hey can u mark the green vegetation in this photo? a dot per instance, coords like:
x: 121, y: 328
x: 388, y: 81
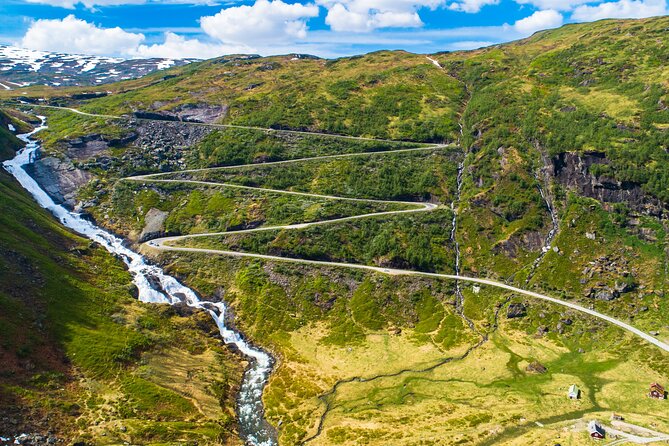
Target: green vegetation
x: 72, y: 337
x: 65, y: 125
x: 574, y: 119
x: 385, y: 94
x: 9, y: 143
x: 196, y: 209
x: 240, y: 146
x: 419, y: 241
x: 409, y: 176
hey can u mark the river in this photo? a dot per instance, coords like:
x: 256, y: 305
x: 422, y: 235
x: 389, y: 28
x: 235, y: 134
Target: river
x: 156, y: 287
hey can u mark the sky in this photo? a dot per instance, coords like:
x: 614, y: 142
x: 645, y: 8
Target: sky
x: 326, y: 28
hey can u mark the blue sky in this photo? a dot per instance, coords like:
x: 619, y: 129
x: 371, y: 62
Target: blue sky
x: 328, y: 28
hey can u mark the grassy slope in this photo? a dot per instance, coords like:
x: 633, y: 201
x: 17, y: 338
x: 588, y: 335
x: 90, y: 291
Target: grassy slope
x: 501, y: 208
x: 384, y: 94
x: 73, y: 337
x: 592, y: 87
x: 529, y: 99
x: 9, y: 143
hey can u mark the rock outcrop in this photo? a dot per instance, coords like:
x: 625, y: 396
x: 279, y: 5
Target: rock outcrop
x: 530, y: 241
x: 93, y: 145
x: 167, y: 136
x: 59, y: 178
x: 153, y: 224
x: 573, y: 171
x: 516, y: 310
x: 203, y: 113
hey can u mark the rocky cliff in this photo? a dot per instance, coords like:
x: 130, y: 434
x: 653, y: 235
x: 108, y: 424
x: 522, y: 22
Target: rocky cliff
x: 572, y: 170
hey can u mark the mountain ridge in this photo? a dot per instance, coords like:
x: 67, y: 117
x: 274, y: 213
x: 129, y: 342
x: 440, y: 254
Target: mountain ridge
x: 21, y: 67
x: 555, y: 180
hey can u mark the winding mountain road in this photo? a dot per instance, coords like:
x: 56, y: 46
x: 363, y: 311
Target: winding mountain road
x: 206, y: 124
x: 165, y: 243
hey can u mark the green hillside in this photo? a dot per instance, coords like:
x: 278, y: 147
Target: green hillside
x: 550, y: 173
x: 82, y: 360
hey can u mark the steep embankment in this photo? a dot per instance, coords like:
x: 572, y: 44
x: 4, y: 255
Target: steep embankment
x: 72, y: 338
x: 561, y: 142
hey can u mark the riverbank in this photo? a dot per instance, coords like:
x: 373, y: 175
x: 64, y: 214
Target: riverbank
x: 154, y: 286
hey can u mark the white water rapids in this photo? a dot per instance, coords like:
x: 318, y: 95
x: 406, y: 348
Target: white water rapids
x: 157, y: 287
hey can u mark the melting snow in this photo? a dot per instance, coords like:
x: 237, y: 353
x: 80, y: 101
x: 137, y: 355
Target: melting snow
x: 13, y: 58
x: 89, y: 66
x: 434, y: 61
x: 17, y: 56
x: 166, y: 63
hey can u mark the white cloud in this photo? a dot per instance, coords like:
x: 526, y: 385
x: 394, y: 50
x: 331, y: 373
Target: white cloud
x: 264, y: 21
x: 468, y: 45
x: 558, y: 5
x: 628, y: 9
x: 471, y: 6
x: 71, y: 35
x: 70, y: 4
x: 267, y: 27
x: 368, y: 15
x: 178, y: 47
x: 340, y: 18
x: 538, y: 21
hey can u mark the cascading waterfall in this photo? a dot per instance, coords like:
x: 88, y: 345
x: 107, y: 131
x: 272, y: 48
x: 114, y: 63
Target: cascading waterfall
x: 459, y: 296
x: 550, y: 236
x: 157, y: 287
x: 454, y: 239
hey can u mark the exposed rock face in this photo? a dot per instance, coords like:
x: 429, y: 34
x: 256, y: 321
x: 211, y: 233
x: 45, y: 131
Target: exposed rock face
x: 84, y: 148
x: 163, y: 116
x: 605, y: 294
x: 60, y: 179
x: 530, y: 241
x: 201, y: 112
x: 205, y: 113
x: 168, y: 136
x: 153, y: 224
x: 573, y: 171
x: 89, y: 146
x: 536, y: 367
x: 93, y: 145
x: 516, y: 310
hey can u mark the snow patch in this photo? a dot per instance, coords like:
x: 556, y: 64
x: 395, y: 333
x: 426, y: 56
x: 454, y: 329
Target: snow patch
x: 89, y: 66
x: 165, y: 63
x: 22, y: 56
x: 434, y: 61
x: 22, y: 60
